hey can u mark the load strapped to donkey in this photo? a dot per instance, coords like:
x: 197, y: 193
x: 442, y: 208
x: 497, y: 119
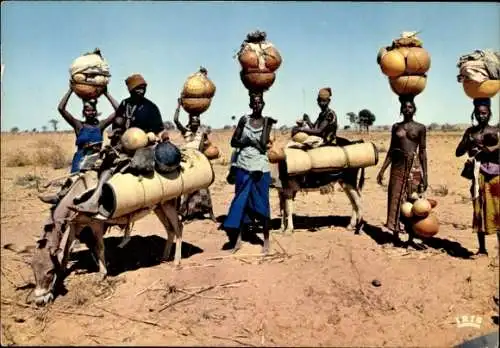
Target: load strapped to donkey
x: 146, y: 175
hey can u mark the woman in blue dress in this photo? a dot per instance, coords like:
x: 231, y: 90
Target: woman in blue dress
x: 252, y: 173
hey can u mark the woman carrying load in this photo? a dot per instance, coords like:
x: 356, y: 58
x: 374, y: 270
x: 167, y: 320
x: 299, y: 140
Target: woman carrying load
x: 251, y: 139
x: 407, y: 156
x: 198, y: 203
x: 481, y: 144
x: 89, y: 132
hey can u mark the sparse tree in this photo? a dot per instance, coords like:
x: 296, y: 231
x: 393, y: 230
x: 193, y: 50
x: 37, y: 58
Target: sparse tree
x: 366, y: 119
x: 44, y: 128
x: 14, y: 130
x: 433, y: 126
x: 347, y: 127
x: 227, y: 127
x: 54, y: 123
x: 34, y: 130
x: 352, y: 117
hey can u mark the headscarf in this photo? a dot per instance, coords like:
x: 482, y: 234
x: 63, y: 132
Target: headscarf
x: 325, y: 93
x: 135, y: 81
x: 482, y: 102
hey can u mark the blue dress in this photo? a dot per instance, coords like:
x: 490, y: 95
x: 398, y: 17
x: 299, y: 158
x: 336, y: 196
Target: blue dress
x: 88, y: 134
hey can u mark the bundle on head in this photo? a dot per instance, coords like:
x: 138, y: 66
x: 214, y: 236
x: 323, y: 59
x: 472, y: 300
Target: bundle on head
x: 259, y: 61
x: 479, y: 73
x: 89, y: 75
x: 197, y: 92
x: 405, y: 63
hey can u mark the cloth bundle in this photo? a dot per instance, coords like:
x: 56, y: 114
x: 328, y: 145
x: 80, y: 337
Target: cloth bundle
x: 479, y: 66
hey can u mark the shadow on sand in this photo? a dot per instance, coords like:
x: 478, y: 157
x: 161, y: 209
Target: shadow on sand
x: 140, y: 252
x: 452, y: 248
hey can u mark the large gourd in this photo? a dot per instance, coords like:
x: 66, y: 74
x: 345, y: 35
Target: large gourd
x: 197, y: 93
x: 408, y: 85
x: 485, y: 89
x: 89, y: 75
x: 426, y: 227
x: 259, y: 60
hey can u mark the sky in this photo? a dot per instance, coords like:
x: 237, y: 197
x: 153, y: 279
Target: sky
x: 323, y: 44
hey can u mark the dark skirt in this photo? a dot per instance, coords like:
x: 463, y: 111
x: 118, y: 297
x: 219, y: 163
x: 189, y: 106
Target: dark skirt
x: 402, y: 184
x: 251, y: 198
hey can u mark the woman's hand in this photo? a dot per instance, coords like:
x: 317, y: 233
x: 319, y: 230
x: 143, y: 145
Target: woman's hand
x: 164, y: 136
x: 380, y: 178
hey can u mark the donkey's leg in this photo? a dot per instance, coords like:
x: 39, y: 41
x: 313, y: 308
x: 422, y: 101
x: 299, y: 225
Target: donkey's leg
x: 288, y: 212
x: 355, y: 200
x: 126, y: 235
x: 282, y: 209
x: 170, y: 232
x: 98, y: 230
x: 170, y: 210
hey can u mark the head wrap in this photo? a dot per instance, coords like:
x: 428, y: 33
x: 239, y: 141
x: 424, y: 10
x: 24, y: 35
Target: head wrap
x: 325, y: 93
x: 407, y: 98
x: 482, y: 102
x: 135, y: 81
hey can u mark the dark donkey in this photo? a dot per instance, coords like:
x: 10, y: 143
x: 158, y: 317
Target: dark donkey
x: 289, y: 185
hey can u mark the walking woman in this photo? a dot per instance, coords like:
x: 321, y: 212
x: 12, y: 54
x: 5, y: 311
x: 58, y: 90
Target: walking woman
x: 407, y: 156
x: 481, y: 144
x: 198, y: 203
x: 252, y: 173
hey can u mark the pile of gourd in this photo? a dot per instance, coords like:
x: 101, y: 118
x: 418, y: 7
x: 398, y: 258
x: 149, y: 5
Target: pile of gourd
x: 421, y: 216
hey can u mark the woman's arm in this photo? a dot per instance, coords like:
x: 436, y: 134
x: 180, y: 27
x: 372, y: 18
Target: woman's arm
x: 387, y: 160
x: 422, y: 155
x: 178, y: 124
x: 73, y: 122
x: 236, y: 140
x: 464, y: 144
x: 106, y: 122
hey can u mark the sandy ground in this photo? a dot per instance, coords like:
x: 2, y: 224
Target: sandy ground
x: 316, y: 291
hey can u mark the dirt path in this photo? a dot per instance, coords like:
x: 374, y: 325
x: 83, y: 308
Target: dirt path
x: 315, y: 291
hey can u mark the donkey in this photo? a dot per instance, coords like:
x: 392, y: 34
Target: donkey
x: 288, y: 186
x: 54, y: 246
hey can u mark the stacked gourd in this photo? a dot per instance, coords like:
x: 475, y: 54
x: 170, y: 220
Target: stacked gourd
x: 197, y: 93
x: 89, y: 75
x: 422, y: 218
x: 259, y: 60
x: 406, y: 64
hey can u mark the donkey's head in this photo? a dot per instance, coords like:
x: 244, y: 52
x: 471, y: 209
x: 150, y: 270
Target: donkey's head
x: 45, y: 269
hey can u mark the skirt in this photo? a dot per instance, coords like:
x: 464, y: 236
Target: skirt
x: 486, y: 206
x: 251, y: 198
x: 404, y: 179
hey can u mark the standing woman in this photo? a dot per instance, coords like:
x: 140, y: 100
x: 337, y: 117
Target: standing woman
x: 198, y: 203
x: 88, y: 131
x: 407, y: 156
x: 251, y: 139
x: 481, y: 144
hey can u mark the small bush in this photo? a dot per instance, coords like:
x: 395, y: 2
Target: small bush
x: 48, y: 153
x: 18, y: 159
